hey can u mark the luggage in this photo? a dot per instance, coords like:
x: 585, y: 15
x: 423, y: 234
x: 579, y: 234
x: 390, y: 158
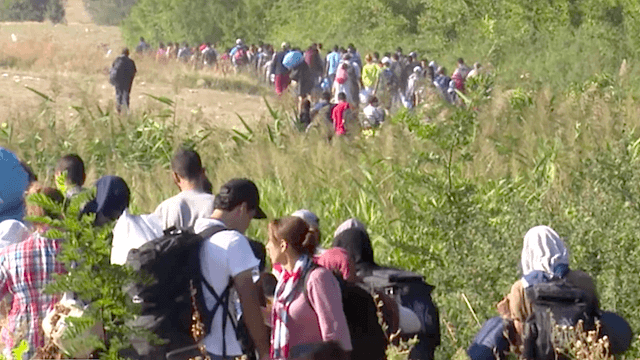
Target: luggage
x: 173, y: 263
x: 367, y: 337
x: 555, y: 302
x: 292, y: 59
x: 410, y: 291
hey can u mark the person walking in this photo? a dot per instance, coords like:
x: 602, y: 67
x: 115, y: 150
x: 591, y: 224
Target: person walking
x: 26, y: 268
x: 280, y: 72
x: 121, y: 75
x: 307, y: 306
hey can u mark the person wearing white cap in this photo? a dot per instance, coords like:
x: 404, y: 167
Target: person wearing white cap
x: 238, y: 54
x: 306, y: 215
x: 279, y: 71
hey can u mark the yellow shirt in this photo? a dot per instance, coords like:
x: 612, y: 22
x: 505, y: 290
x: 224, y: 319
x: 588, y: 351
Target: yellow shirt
x: 370, y: 74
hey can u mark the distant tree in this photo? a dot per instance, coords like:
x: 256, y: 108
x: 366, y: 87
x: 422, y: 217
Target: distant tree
x: 32, y: 10
x: 109, y: 12
x: 181, y: 20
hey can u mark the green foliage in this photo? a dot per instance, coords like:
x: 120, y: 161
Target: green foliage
x: 85, y: 253
x: 109, y: 12
x: 32, y: 10
x: 555, y: 42
x: 445, y: 191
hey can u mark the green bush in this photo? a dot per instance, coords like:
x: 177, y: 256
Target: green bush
x: 109, y: 12
x: 447, y: 192
x: 32, y: 10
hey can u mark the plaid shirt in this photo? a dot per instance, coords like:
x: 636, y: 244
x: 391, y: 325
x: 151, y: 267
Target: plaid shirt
x: 25, y: 270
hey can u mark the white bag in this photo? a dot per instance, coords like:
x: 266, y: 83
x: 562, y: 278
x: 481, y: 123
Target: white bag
x: 55, y: 324
x: 364, y: 95
x: 131, y: 232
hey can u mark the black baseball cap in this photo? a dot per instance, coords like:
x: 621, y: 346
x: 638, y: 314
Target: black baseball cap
x: 237, y: 191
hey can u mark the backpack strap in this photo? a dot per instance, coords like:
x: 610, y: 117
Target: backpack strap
x: 211, y: 230
x: 222, y: 300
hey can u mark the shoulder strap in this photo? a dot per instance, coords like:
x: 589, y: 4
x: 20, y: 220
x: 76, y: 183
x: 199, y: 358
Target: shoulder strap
x: 221, y: 300
x: 210, y: 231
x: 305, y: 278
x: 222, y: 303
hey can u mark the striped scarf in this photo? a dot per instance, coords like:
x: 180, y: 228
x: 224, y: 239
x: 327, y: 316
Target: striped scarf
x: 286, y: 291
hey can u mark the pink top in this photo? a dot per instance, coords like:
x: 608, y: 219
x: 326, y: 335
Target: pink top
x: 321, y: 317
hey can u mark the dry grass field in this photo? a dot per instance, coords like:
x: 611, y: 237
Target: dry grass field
x: 70, y: 63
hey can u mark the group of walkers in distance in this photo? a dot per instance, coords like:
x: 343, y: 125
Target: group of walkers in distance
x: 339, y: 90
x: 314, y: 302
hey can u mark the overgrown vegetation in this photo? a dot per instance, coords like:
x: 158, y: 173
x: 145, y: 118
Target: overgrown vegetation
x: 515, y: 36
x: 550, y: 137
x: 85, y: 253
x: 108, y: 12
x: 447, y: 192
x: 32, y: 10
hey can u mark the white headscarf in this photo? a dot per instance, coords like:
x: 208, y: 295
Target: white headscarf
x: 352, y: 223
x: 12, y: 232
x: 543, y: 250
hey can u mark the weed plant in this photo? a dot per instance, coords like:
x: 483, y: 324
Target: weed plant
x: 447, y: 192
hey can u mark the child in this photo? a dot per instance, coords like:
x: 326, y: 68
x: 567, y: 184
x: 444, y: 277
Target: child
x: 340, y: 113
x: 374, y: 114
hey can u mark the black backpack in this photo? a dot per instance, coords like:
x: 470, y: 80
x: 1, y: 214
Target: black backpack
x: 554, y: 303
x: 367, y: 337
x: 411, y: 291
x: 173, y: 263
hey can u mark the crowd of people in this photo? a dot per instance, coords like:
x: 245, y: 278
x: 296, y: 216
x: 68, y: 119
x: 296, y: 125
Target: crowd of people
x: 371, y: 86
x: 314, y: 303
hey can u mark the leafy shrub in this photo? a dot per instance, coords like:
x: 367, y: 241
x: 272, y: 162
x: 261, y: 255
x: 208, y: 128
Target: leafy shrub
x: 109, y: 12
x: 32, y: 10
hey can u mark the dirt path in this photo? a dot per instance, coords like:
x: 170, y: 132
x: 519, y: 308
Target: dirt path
x: 75, y: 12
x: 70, y: 63
x: 212, y: 106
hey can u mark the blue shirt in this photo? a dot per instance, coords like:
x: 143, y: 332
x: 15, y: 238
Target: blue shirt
x: 13, y: 183
x: 333, y: 59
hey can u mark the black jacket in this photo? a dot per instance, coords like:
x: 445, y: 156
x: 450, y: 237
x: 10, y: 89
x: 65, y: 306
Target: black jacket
x: 277, y: 67
x: 123, y: 70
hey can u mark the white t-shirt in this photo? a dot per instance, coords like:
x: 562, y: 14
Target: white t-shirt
x: 131, y: 232
x: 374, y: 115
x: 223, y: 256
x: 184, y: 209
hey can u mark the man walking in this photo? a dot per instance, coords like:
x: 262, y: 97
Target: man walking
x: 121, y: 75
x: 193, y: 202
x: 227, y: 261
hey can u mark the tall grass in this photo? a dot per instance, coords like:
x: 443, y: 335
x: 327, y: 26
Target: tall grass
x: 447, y: 192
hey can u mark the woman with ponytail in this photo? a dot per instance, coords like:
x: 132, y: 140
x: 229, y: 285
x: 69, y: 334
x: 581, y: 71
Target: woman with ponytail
x: 307, y: 305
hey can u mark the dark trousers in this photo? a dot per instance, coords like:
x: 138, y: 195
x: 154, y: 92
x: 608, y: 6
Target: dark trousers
x: 122, y: 97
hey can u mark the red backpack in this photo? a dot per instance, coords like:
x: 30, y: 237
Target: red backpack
x: 239, y: 56
x: 342, y: 75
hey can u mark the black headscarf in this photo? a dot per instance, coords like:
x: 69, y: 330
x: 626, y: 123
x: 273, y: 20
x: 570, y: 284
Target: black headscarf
x: 112, y: 198
x: 358, y: 245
